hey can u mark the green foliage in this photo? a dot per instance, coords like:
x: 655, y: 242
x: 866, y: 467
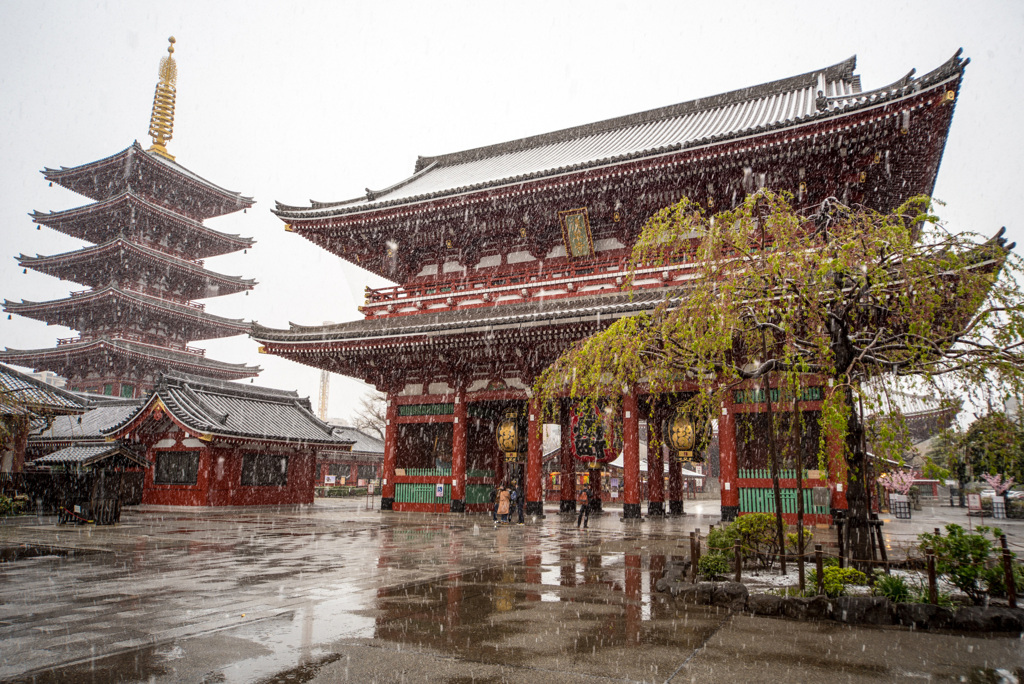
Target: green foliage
x: 714, y: 565
x: 849, y: 297
x: 965, y: 560
x: 997, y: 580
x: 892, y: 587
x: 793, y: 541
x: 836, y: 579
x: 995, y: 445
x: 757, y: 537
x: 15, y: 506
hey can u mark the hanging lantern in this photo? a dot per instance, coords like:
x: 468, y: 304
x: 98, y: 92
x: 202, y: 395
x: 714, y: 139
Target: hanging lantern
x: 595, y: 434
x: 681, y: 435
x: 511, y: 436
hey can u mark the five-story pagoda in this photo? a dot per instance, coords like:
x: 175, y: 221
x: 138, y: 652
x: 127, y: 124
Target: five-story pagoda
x: 143, y: 270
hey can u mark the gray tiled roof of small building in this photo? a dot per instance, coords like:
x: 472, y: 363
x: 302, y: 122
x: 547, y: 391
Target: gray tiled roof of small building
x: 756, y: 109
x: 362, y: 442
x: 89, y: 425
x: 19, y: 391
x: 233, y: 410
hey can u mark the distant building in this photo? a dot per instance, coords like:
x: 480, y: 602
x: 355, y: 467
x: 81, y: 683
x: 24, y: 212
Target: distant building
x: 356, y: 465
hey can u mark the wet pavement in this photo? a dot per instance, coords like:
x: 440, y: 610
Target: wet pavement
x: 339, y: 592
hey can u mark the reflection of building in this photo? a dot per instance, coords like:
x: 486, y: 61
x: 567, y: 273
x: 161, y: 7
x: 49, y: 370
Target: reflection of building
x: 144, y: 269
x: 215, y: 443
x: 354, y: 466
x: 508, y: 254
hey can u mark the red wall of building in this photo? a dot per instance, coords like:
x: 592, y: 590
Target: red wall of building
x: 218, y: 481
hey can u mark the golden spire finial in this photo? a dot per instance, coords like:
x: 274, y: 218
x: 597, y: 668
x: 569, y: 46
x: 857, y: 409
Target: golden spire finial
x: 161, y: 122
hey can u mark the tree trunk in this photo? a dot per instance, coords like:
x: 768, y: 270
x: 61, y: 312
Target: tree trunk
x: 798, y: 460
x: 774, y: 455
x: 857, y: 500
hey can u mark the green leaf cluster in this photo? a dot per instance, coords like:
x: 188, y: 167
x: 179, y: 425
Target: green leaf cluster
x: 965, y: 559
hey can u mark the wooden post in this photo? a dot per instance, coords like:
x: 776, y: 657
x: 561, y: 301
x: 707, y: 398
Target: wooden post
x: 693, y: 558
x: 933, y: 588
x: 819, y: 566
x: 877, y: 524
x: 842, y: 545
x: 697, y: 538
x: 1011, y: 581
x: 739, y: 561
x: 801, y: 580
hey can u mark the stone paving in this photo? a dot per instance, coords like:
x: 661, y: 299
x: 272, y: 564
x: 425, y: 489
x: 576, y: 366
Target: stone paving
x: 340, y: 592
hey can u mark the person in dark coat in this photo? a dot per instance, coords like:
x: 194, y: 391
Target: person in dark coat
x: 520, y: 502
x: 494, y: 503
x: 584, y: 515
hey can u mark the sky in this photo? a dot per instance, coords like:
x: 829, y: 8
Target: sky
x: 320, y: 100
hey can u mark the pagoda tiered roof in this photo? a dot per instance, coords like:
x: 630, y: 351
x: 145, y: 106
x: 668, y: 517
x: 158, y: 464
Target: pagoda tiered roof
x: 881, y: 146
x: 106, y: 355
x: 132, y: 216
x: 113, y: 307
x: 152, y: 175
x: 127, y: 263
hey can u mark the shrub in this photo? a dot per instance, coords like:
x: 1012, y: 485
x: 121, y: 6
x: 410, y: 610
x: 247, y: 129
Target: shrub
x: 15, y: 506
x: 713, y: 565
x: 793, y: 541
x: 892, y: 587
x: 836, y: 579
x: 965, y: 560
x: 996, y: 583
x: 757, y: 537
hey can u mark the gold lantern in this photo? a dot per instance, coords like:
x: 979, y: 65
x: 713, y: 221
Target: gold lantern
x: 681, y: 436
x: 511, y: 436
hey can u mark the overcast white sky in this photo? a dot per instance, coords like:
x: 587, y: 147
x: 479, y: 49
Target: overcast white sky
x: 298, y: 101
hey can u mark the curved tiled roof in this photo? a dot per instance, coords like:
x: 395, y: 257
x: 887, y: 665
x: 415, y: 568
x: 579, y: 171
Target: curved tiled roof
x: 21, y: 394
x: 89, y: 425
x: 218, y: 325
x: 64, y: 221
x: 72, y: 177
x: 198, y: 276
x: 133, y: 350
x: 755, y: 110
x: 87, y: 454
x: 240, y: 411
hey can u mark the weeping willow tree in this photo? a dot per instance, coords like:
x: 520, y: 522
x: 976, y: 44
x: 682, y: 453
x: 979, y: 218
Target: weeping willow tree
x: 857, y: 302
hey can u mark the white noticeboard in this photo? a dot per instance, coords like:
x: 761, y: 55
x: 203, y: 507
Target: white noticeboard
x: 369, y: 488
x: 974, y: 502
x: 440, y: 491
x: 329, y: 479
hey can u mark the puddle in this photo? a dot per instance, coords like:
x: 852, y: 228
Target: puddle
x: 9, y: 554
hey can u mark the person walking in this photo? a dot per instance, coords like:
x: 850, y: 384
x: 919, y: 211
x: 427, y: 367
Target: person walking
x: 504, y: 500
x: 494, y: 503
x: 520, y: 502
x: 584, y: 515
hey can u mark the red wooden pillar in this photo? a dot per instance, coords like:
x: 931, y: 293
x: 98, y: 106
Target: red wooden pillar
x: 655, y: 468
x: 459, y: 453
x: 534, y: 448
x: 728, y: 473
x: 387, y: 491
x: 596, y: 486
x: 567, y: 503
x: 353, y: 474
x: 630, y: 457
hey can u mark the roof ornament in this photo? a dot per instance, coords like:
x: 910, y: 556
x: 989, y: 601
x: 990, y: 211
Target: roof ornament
x: 161, y: 122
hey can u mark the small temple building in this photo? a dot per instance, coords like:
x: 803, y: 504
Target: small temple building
x: 25, y: 403
x: 215, y: 443
x: 144, y: 270
x: 357, y: 465
x: 503, y: 256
